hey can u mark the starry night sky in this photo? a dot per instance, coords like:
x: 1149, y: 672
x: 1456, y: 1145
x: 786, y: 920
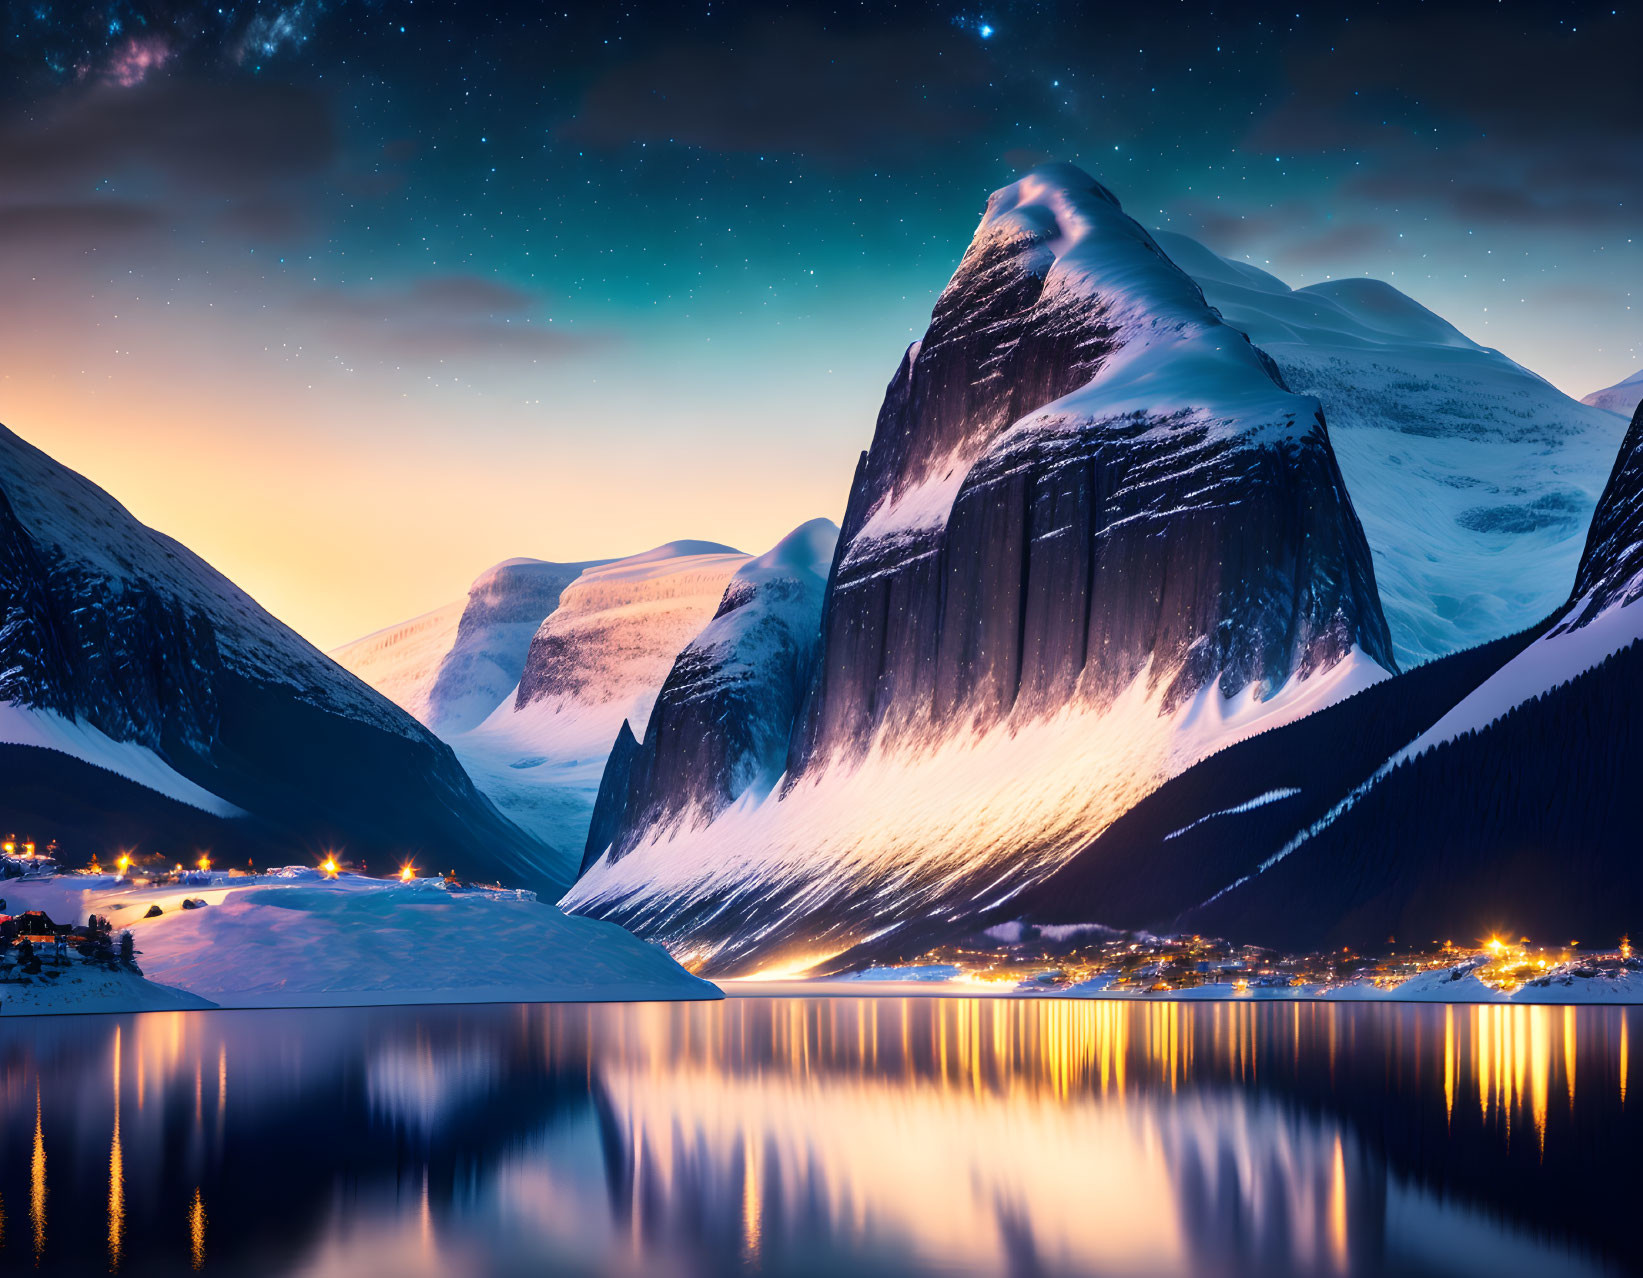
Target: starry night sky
x: 358, y: 298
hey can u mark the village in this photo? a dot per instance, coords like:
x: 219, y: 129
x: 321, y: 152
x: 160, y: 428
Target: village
x: 40, y: 951
x: 1094, y: 961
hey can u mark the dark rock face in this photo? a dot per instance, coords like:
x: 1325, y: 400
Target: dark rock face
x: 610, y: 808
x: 107, y: 623
x: 720, y: 725
x: 137, y: 665
x: 1611, y: 570
x: 1083, y: 544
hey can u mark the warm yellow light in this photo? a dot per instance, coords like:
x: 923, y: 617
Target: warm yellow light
x: 1496, y: 944
x: 407, y: 873
x: 330, y: 865
x: 124, y: 863
x: 8, y: 847
x: 204, y: 862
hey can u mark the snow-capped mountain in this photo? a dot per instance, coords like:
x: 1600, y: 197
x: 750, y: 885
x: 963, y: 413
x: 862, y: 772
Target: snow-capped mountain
x: 1485, y: 792
x: 1622, y: 397
x: 144, y: 697
x: 1094, y: 539
x: 452, y: 667
x: 720, y: 725
x: 1474, y: 478
x: 597, y: 659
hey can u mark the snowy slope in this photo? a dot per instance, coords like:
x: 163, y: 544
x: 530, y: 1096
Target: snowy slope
x: 1622, y: 397
x: 48, y: 730
x: 1094, y: 539
x: 1474, y: 478
x: 452, y: 667
x: 77, y: 989
x: 720, y: 726
x: 293, y: 939
x: 600, y: 658
x: 403, y: 661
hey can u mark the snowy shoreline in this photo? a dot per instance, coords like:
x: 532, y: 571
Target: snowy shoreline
x: 296, y: 938
x: 1458, y: 985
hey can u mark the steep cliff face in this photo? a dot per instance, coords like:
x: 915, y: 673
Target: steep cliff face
x: 600, y: 658
x: 403, y: 661
x: 124, y: 655
x: 1094, y: 538
x: 1474, y: 478
x: 139, y: 666
x: 506, y: 607
x: 721, y: 723
x: 1611, y: 570
x: 452, y: 667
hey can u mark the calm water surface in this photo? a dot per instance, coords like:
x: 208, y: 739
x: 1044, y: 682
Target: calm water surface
x: 825, y: 1136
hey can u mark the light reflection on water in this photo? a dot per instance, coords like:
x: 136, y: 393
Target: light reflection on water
x: 814, y: 1136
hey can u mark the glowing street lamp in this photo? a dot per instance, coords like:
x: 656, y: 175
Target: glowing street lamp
x: 124, y: 863
x: 407, y: 872
x: 330, y: 867
x: 204, y: 863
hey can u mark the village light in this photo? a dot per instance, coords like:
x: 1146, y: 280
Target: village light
x: 330, y: 866
x: 407, y: 872
x: 124, y: 864
x: 204, y: 862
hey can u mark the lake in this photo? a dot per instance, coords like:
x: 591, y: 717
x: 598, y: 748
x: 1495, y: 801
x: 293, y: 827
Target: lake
x: 862, y: 1136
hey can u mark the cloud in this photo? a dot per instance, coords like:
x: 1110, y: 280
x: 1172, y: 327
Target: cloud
x: 75, y: 225
x: 166, y: 162
x: 1301, y: 231
x: 448, y: 316
x: 789, y: 85
x: 1470, y: 118
x: 197, y: 138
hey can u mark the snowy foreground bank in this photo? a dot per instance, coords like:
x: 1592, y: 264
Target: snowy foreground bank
x: 1566, y: 983
x: 294, y: 938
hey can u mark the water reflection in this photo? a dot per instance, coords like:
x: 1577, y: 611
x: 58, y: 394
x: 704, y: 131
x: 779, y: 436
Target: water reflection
x: 803, y: 1136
